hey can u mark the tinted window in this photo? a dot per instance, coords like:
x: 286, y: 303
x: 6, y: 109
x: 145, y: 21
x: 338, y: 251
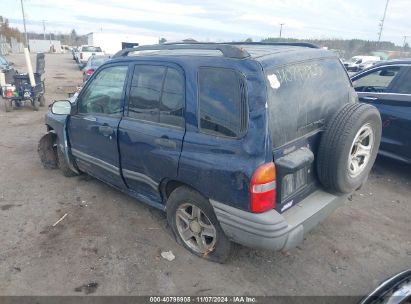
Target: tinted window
x: 103, y: 95
x: 404, y: 85
x: 172, y: 100
x: 145, y: 92
x: 222, y: 101
x: 157, y: 95
x: 377, y: 81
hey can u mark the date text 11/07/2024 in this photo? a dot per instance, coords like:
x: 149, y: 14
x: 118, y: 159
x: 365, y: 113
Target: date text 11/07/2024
x: 203, y: 299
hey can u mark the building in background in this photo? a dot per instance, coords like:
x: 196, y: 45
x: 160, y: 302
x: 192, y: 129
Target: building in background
x: 111, y: 43
x: 45, y: 46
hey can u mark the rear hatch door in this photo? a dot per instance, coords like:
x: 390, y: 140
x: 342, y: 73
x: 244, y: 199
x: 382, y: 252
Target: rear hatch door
x: 302, y: 97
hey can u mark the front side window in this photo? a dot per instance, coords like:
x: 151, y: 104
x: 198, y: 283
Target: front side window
x: 221, y: 101
x: 157, y: 95
x: 377, y: 81
x: 105, y: 91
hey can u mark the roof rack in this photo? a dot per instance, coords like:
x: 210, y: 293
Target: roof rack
x: 302, y: 44
x: 228, y: 50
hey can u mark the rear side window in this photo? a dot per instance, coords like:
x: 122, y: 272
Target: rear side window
x: 157, y: 95
x: 222, y: 102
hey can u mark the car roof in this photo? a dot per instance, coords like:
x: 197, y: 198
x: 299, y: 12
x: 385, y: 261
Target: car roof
x: 393, y: 62
x: 277, y: 52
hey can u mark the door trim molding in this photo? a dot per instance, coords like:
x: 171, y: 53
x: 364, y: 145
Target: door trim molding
x: 96, y: 161
x: 140, y: 177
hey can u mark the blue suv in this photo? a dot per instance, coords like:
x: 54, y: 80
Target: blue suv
x: 250, y: 143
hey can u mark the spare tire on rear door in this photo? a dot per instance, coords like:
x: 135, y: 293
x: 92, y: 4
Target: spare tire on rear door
x: 348, y: 147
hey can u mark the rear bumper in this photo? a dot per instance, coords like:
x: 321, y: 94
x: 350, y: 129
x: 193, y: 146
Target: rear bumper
x: 274, y: 231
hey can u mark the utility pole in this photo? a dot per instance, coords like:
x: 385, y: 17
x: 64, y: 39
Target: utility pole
x: 281, y: 29
x: 44, y: 29
x: 24, y: 23
x: 382, y: 21
x: 405, y: 41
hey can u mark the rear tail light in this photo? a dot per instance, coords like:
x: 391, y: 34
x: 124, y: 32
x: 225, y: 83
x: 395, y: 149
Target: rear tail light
x: 263, y: 188
x: 90, y: 72
x: 81, y: 55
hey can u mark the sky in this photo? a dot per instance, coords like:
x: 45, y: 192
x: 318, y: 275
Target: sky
x: 217, y: 20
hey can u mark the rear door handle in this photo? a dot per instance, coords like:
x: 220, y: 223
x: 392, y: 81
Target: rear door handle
x: 106, y: 130
x: 369, y: 98
x: 166, y: 142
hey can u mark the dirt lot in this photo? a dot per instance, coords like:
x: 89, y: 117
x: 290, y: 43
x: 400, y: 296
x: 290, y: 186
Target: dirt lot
x: 114, y: 241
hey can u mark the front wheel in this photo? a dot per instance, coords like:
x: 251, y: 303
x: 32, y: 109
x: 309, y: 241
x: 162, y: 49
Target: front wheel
x: 195, y: 225
x: 62, y: 165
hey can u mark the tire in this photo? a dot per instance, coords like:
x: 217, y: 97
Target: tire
x: 36, y: 104
x: 62, y: 165
x: 47, y: 151
x: 8, y: 104
x: 42, y: 101
x: 346, y: 154
x: 216, y: 249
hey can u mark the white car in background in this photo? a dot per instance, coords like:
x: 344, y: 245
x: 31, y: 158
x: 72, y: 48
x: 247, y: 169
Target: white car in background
x: 368, y: 64
x: 353, y: 65
x: 85, y: 52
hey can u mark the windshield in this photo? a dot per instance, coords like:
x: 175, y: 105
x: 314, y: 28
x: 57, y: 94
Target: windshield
x: 91, y: 49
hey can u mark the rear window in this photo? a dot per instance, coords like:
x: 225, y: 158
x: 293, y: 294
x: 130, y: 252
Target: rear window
x: 91, y: 49
x: 222, y: 102
x: 302, y: 96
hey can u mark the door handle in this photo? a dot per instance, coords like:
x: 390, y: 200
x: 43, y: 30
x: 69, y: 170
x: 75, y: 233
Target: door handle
x: 106, y: 130
x: 369, y: 98
x: 166, y: 142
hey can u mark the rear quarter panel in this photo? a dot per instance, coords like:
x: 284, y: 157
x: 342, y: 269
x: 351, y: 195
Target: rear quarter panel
x: 221, y: 168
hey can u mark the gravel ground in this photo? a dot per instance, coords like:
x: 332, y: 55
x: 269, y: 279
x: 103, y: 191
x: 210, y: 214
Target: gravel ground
x: 110, y: 244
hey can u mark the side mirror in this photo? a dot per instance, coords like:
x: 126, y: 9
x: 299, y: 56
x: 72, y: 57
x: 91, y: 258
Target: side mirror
x: 61, y: 107
x: 387, y: 73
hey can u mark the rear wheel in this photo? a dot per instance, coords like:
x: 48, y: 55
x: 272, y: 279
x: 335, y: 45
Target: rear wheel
x: 195, y: 225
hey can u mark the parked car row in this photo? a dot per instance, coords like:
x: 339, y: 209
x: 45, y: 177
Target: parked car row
x: 89, y: 58
x: 92, y: 64
x: 227, y: 139
x: 84, y: 52
x: 358, y: 63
